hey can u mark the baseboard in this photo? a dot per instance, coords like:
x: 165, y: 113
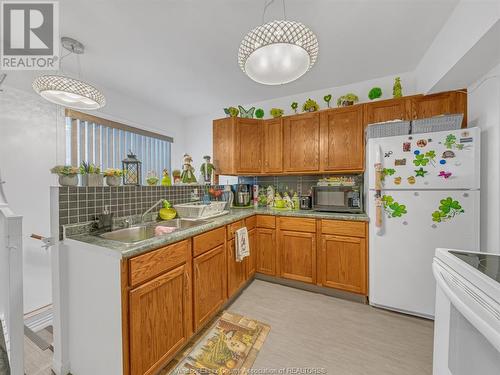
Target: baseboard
x: 39, y: 319
x: 312, y: 288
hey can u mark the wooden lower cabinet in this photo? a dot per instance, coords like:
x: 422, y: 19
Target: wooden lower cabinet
x: 297, y: 255
x: 344, y: 263
x: 209, y: 284
x: 266, y: 251
x: 252, y: 259
x: 160, y: 320
x: 236, y: 271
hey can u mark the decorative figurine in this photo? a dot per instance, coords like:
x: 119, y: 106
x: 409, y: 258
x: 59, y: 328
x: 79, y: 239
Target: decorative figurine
x: 176, y: 174
x: 397, y: 89
x: 310, y: 106
x: 207, y: 170
x: 375, y: 93
x: 244, y: 113
x: 276, y: 112
x: 187, y: 175
x: 327, y: 99
x: 259, y: 113
x: 131, y: 167
x: 152, y: 179
x: 270, y: 196
x: 294, y: 106
x: 165, y: 181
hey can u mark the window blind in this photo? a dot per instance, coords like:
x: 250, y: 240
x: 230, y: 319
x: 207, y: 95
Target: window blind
x: 106, y: 143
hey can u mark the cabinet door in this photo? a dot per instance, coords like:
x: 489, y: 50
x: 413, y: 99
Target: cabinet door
x: 343, y: 263
x: 342, y: 139
x: 236, y: 271
x: 440, y: 104
x: 248, y: 146
x: 273, y: 145
x: 209, y: 287
x: 387, y: 110
x: 223, y: 145
x: 252, y: 259
x: 301, y: 143
x: 266, y: 251
x: 298, y: 256
x: 160, y: 319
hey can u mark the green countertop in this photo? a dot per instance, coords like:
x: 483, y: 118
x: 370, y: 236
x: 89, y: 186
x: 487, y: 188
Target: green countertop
x: 131, y: 250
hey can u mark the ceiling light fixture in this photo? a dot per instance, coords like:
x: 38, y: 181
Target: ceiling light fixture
x: 278, y: 52
x: 66, y: 91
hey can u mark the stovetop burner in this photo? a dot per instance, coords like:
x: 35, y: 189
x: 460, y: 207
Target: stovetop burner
x: 489, y: 264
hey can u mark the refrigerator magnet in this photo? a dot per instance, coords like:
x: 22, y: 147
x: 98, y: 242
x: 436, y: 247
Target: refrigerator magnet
x: 448, y: 154
x: 388, y: 154
x: 399, y: 162
x: 422, y: 143
x: 445, y: 175
x: 397, y: 180
x: 406, y: 147
x: 421, y: 172
x: 411, y: 180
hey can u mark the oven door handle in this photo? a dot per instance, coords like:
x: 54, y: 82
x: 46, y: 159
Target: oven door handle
x: 451, y: 283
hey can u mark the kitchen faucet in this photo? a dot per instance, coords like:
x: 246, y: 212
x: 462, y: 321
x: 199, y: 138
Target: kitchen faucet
x: 150, y: 209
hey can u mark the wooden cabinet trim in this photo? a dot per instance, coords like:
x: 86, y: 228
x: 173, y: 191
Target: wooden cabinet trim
x: 273, y: 145
x: 208, y: 240
x: 153, y: 263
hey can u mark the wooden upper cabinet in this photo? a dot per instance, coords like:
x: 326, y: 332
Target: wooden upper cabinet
x: 273, y: 145
x: 301, y: 135
x: 443, y: 103
x: 209, y: 286
x: 248, y: 146
x: 160, y: 320
x: 344, y: 263
x: 223, y: 145
x: 342, y: 139
x: 387, y: 110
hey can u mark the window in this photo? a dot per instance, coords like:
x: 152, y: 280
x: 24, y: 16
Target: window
x: 106, y: 143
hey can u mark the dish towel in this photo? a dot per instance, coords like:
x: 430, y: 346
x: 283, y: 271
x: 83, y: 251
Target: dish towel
x: 242, y: 247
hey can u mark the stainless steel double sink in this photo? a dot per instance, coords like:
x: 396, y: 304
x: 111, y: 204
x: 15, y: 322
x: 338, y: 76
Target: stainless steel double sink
x: 146, y: 231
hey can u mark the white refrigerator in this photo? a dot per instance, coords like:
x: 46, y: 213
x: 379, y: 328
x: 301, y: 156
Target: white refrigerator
x: 429, y: 198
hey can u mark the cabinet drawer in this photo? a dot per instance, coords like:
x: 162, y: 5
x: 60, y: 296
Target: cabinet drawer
x: 344, y: 228
x: 297, y: 224
x: 149, y: 265
x: 208, y: 241
x: 231, y: 228
x: 264, y: 221
x: 251, y: 222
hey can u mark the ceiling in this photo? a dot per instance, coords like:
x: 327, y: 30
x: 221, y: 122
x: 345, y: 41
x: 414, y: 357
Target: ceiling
x: 182, y: 55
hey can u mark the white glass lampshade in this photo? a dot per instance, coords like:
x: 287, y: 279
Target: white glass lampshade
x: 69, y: 92
x: 278, y: 52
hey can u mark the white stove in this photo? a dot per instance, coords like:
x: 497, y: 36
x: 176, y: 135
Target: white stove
x: 467, y: 318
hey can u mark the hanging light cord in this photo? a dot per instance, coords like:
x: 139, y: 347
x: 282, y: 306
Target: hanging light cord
x: 267, y: 3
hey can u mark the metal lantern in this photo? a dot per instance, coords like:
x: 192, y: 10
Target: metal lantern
x: 131, y: 170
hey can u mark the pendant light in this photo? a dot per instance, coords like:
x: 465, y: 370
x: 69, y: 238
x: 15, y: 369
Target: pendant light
x: 66, y: 91
x: 278, y: 52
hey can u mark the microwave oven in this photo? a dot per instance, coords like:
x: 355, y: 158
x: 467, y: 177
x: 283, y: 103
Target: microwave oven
x: 338, y: 198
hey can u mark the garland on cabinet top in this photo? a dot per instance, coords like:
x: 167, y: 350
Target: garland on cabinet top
x: 311, y: 105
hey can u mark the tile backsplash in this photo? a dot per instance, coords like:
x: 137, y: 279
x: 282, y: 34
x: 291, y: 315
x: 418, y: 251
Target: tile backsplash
x: 82, y: 204
x: 300, y: 184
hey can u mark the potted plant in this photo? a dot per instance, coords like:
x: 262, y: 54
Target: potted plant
x: 276, y: 112
x: 397, y: 89
x: 176, y: 173
x: 152, y: 179
x: 91, y: 174
x: 233, y: 111
x: 259, y: 113
x: 310, y: 106
x: 68, y: 175
x: 113, y: 176
x: 347, y: 100
x: 375, y: 93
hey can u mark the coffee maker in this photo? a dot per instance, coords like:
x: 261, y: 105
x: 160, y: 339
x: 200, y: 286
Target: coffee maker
x: 242, y: 195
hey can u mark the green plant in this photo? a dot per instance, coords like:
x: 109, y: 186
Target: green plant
x: 276, y: 112
x: 259, y: 113
x: 447, y: 209
x: 393, y: 208
x: 233, y: 111
x: 347, y: 99
x: 375, y: 93
x: 310, y: 106
x: 397, y: 89
x: 65, y: 170
x: 113, y: 172
x: 327, y: 99
x: 89, y: 168
x: 152, y: 179
x: 294, y: 106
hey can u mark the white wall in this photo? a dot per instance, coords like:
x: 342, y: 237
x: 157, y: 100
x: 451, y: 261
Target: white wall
x: 199, y: 129
x: 29, y: 130
x: 484, y: 111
